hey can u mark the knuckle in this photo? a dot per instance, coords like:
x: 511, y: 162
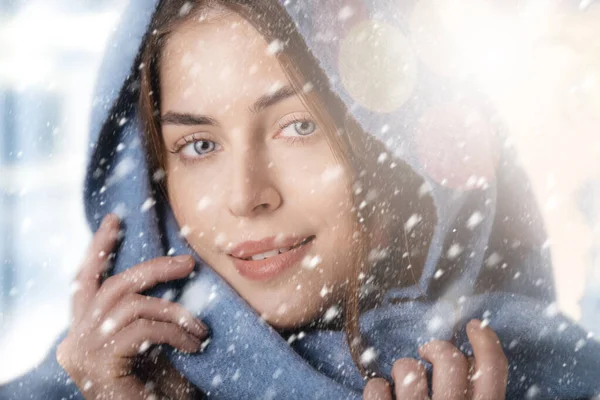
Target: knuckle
x: 109, y: 283
x: 405, y: 366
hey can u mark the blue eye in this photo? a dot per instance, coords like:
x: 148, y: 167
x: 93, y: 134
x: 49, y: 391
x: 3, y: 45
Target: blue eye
x: 199, y: 148
x: 204, y: 146
x: 302, y: 128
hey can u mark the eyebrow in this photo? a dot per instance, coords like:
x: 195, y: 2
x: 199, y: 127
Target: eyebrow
x: 264, y: 101
x: 174, y: 118
x: 270, y: 99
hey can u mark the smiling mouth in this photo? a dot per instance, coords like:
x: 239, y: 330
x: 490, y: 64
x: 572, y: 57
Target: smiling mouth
x: 275, y: 252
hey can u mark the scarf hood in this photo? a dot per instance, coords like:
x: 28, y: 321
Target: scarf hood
x: 487, y: 257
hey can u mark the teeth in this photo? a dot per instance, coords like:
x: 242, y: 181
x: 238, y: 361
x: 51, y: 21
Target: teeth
x: 267, y: 254
x: 273, y: 253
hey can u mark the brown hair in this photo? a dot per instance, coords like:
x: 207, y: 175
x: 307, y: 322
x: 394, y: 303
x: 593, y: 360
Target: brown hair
x: 351, y: 146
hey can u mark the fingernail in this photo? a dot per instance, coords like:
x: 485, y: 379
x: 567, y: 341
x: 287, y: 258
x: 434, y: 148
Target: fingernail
x: 473, y: 324
x: 183, y: 259
x: 203, y: 345
x: 199, y: 329
x: 108, y: 220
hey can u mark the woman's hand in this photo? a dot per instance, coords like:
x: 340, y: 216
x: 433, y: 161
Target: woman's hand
x: 113, y: 326
x: 454, y: 376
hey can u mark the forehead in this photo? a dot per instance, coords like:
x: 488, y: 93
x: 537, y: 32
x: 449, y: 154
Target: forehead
x: 211, y: 57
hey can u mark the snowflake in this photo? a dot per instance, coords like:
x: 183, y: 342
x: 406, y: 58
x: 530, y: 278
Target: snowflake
x: 368, y: 356
x: 275, y: 47
x: 185, y: 231
x: 382, y: 158
x: 185, y: 9
x: 474, y: 220
x: 331, y: 313
x: 409, y: 378
x: 552, y: 310
x: 332, y: 173
x: 345, y: 13
x: 412, y: 221
x: 108, y: 326
x: 310, y: 262
x: 454, y: 251
x: 203, y: 203
x: 123, y: 168
x: 493, y: 259
x: 148, y: 204
x: 533, y: 392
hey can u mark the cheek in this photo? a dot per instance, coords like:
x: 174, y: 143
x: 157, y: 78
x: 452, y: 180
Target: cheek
x: 326, y: 194
x: 194, y: 202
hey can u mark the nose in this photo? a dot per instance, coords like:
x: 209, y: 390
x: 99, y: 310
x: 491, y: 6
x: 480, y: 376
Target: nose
x: 253, y: 190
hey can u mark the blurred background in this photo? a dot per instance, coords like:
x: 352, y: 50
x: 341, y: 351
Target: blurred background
x: 539, y: 60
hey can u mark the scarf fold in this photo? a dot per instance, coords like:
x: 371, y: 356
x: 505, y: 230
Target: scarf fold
x: 471, y: 249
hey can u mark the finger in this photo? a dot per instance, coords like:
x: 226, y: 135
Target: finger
x: 471, y: 362
x: 137, y: 279
x: 410, y: 379
x: 377, y: 389
x: 135, y: 306
x: 87, y: 282
x: 491, y: 366
x: 138, y: 336
x: 166, y: 379
x: 450, y: 370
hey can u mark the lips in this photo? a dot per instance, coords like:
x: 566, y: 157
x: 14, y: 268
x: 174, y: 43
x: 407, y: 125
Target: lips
x: 271, y: 263
x: 281, y: 250
x: 267, y: 247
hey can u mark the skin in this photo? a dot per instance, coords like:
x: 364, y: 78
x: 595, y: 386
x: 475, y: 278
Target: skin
x: 455, y: 377
x: 256, y: 179
x: 113, y: 325
x: 259, y: 184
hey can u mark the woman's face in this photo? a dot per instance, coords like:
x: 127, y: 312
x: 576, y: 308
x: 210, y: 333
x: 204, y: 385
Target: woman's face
x: 249, y: 171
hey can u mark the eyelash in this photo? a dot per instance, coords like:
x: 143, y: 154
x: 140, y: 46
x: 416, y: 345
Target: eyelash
x: 293, y: 119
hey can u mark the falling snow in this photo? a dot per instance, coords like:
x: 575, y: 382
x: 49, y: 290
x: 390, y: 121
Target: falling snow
x: 87, y: 385
x: 148, y: 204
x: 158, y: 175
x: 409, y: 378
x: 493, y: 259
x: 345, y: 13
x: 533, y: 392
x: 412, y: 221
x: 474, y: 220
x: 217, y: 380
x: 204, y: 202
x: 123, y: 168
x: 185, y: 9
x: 144, y: 346
x: 435, y: 324
x: 185, y: 231
x: 579, y: 345
x: 275, y: 47
x: 331, y: 174
x: 108, y: 326
x: 311, y: 262
x: 331, y: 313
x: 368, y: 356
x: 552, y: 310
x: 324, y: 291
x: 454, y: 251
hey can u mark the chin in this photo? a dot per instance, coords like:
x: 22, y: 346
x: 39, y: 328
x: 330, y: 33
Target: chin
x: 288, y: 319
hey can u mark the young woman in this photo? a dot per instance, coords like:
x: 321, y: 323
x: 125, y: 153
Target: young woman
x: 331, y: 257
